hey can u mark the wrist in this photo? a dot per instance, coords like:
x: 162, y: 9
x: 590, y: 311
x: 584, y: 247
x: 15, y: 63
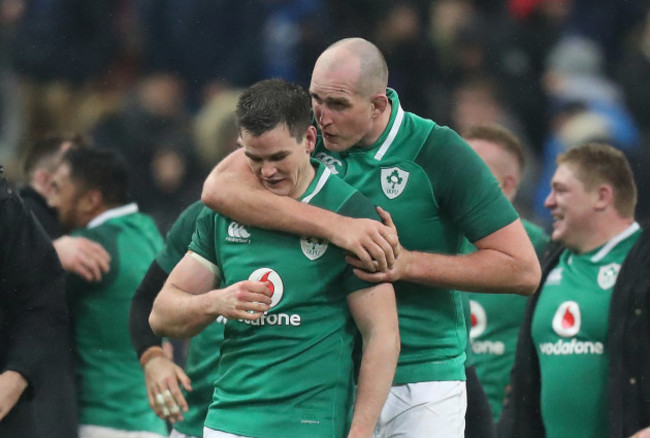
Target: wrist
x: 151, y: 353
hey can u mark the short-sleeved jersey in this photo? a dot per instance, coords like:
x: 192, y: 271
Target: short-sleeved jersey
x: 204, y: 350
x: 288, y: 373
x: 111, y: 390
x: 569, y: 329
x: 495, y: 320
x: 437, y: 189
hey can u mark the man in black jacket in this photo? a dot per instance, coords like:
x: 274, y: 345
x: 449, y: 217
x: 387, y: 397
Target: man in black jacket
x: 33, y: 320
x: 583, y: 356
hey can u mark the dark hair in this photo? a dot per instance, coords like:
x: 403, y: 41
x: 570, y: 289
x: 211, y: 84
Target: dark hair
x: 44, y: 152
x: 268, y: 103
x: 100, y: 169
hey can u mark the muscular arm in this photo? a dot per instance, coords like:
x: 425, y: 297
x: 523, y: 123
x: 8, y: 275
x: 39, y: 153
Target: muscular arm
x: 231, y: 189
x: 375, y: 313
x: 189, y: 301
x: 505, y: 262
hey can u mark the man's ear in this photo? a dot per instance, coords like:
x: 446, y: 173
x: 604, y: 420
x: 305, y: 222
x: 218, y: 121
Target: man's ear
x: 604, y: 197
x: 92, y: 201
x: 509, y: 186
x: 42, y: 181
x: 379, y: 103
x: 310, y: 139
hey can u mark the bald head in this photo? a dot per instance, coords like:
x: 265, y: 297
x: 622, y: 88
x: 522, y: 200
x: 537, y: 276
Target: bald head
x: 359, y: 59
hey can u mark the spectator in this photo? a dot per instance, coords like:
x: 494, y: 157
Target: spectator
x: 34, y: 342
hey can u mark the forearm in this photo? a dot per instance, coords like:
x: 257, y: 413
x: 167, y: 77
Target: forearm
x: 180, y: 314
x: 142, y: 337
x: 375, y: 379
x: 232, y: 190
x: 486, y: 271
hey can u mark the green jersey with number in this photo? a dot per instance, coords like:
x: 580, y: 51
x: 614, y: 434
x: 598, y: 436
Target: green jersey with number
x: 204, y: 350
x: 569, y: 329
x: 495, y: 321
x: 288, y: 373
x: 111, y: 389
x: 437, y: 190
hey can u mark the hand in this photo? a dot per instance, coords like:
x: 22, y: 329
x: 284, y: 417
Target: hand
x: 12, y: 385
x: 645, y: 433
x: 82, y: 256
x: 395, y: 271
x: 243, y: 300
x: 375, y: 245
x: 162, y: 377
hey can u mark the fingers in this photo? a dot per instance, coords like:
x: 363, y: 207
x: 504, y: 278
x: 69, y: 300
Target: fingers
x: 373, y: 277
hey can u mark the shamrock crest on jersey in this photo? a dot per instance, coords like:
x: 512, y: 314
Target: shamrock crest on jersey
x: 393, y: 181
x: 313, y: 247
x: 607, y: 275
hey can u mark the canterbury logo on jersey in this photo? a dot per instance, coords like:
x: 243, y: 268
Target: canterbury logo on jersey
x: 329, y: 161
x: 479, y: 322
x: 237, y: 233
x: 566, y: 323
x: 276, y: 286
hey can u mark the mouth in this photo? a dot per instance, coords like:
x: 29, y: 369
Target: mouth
x: 272, y: 182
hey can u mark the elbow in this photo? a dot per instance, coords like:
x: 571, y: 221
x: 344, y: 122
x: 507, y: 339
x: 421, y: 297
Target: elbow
x: 155, y: 324
x: 210, y: 196
x: 530, y: 278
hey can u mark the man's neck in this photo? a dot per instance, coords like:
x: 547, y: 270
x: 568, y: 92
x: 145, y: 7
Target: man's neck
x: 604, y: 233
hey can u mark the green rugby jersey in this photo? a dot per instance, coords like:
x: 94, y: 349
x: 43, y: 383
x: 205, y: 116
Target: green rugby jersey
x: 204, y: 350
x: 569, y: 329
x: 437, y: 189
x: 495, y: 321
x: 111, y: 388
x: 290, y: 372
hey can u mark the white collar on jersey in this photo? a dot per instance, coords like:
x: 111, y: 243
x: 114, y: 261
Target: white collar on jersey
x: 113, y: 213
x: 392, y: 134
x: 319, y: 186
x: 615, y: 241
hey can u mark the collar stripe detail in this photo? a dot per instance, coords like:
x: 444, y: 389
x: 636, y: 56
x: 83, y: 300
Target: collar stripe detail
x: 319, y: 186
x: 391, y: 135
x: 615, y: 241
x: 113, y: 213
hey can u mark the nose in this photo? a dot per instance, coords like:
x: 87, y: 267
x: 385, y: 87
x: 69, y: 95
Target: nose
x: 322, y: 115
x: 268, y: 170
x: 549, y: 202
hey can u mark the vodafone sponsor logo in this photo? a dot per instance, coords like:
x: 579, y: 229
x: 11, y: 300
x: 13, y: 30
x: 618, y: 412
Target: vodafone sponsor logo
x: 567, y: 319
x: 479, y: 322
x: 276, y: 286
x: 562, y: 348
x: 478, y: 318
x: 566, y: 323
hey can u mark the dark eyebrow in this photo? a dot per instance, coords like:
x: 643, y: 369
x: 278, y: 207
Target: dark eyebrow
x: 275, y: 157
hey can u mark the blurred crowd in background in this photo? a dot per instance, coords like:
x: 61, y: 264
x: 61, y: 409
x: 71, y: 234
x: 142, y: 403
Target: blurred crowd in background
x: 158, y: 79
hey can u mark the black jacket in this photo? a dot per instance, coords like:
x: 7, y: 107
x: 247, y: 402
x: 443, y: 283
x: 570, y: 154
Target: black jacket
x: 34, y: 326
x: 628, y: 344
